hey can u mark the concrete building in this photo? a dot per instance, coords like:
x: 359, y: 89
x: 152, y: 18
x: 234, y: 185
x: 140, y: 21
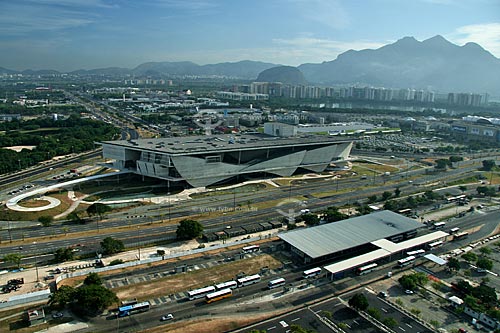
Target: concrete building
x: 347, y: 238
x: 202, y: 161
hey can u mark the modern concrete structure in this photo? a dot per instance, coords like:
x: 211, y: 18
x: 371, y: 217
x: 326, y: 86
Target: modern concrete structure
x: 203, y: 161
x: 348, y: 238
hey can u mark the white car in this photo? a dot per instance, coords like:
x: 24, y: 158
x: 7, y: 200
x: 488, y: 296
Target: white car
x: 167, y: 317
x: 408, y: 291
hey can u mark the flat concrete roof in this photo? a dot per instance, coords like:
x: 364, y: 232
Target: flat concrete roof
x: 357, y: 261
x: 386, y: 248
x: 221, y: 143
x: 337, y: 236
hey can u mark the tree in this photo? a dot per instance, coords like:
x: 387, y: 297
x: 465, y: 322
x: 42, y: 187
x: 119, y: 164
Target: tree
x: 75, y: 218
x: 469, y: 257
x: 454, y: 264
x: 358, y: 302
x: 161, y: 253
x: 484, y: 263
x: 98, y: 209
x: 407, y: 282
x: 92, y: 278
x: 93, y: 299
x: 486, y: 190
x: 455, y: 158
x: 46, y: 220
x: 310, y: 219
x: 411, y: 281
x: 110, y: 245
x: 62, y: 296
x: 13, y: 258
x: 397, y: 192
x: 332, y: 214
x: 299, y: 329
x: 488, y: 165
x: 189, y: 229
x: 389, y: 322
x: 485, y: 250
x: 485, y: 294
x: 442, y: 164
x: 462, y: 188
x: 372, y: 198
x: 63, y: 254
x: 386, y: 195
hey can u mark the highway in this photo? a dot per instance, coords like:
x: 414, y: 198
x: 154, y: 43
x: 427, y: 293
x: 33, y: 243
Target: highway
x: 142, y: 224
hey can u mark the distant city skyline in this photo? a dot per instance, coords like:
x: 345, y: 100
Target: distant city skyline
x: 68, y: 35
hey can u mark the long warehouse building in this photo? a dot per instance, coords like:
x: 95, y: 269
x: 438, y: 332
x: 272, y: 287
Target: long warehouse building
x: 348, y: 238
x: 206, y: 160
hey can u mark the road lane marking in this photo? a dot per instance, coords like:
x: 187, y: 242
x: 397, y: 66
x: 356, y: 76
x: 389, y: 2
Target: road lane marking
x: 383, y: 310
x: 409, y: 325
x: 271, y: 328
x: 295, y: 319
x: 402, y: 329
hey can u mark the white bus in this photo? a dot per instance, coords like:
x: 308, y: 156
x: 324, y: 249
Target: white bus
x: 435, y: 245
x: 225, y: 285
x: 460, y: 235
x: 454, y: 230
x: 406, y: 261
x: 416, y: 253
x: 276, y: 283
x: 439, y: 225
x: 366, y: 269
x: 311, y: 272
x: 200, y: 293
x: 247, y: 280
x: 251, y: 248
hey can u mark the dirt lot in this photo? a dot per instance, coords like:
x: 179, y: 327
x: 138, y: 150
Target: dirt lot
x: 195, y: 279
x: 208, y: 325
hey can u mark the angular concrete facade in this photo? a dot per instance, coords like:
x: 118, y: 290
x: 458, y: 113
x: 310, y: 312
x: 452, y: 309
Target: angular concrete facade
x: 203, y: 161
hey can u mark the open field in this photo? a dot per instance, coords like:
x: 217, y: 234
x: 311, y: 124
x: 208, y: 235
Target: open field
x: 195, y: 279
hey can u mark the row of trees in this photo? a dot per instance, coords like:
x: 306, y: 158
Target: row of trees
x: 91, y: 298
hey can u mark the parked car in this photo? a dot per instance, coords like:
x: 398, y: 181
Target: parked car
x: 408, y: 291
x: 57, y: 315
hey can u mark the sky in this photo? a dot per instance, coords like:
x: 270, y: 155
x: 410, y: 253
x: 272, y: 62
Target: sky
x: 83, y: 34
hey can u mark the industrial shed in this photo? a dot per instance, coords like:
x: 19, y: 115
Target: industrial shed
x: 348, y: 238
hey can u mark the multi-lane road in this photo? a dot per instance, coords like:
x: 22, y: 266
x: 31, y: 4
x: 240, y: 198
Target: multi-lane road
x: 142, y: 224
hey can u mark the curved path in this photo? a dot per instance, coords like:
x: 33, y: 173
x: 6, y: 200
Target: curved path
x: 13, y: 202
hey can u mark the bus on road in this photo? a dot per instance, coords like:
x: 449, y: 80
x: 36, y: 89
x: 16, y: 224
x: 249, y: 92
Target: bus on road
x: 416, y: 253
x: 247, y: 280
x: 200, y: 293
x: 406, y: 261
x: 128, y: 310
x: 435, y: 245
x: 311, y: 272
x: 366, y: 269
x: 225, y: 285
x: 460, y: 235
x: 251, y: 248
x: 218, y: 295
x: 276, y: 283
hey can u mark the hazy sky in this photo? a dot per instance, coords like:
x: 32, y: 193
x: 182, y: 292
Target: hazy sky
x: 73, y: 34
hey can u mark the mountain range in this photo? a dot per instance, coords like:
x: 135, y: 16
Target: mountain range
x: 435, y: 64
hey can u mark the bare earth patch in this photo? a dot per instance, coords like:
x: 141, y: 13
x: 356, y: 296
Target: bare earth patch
x: 209, y: 325
x: 195, y: 279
